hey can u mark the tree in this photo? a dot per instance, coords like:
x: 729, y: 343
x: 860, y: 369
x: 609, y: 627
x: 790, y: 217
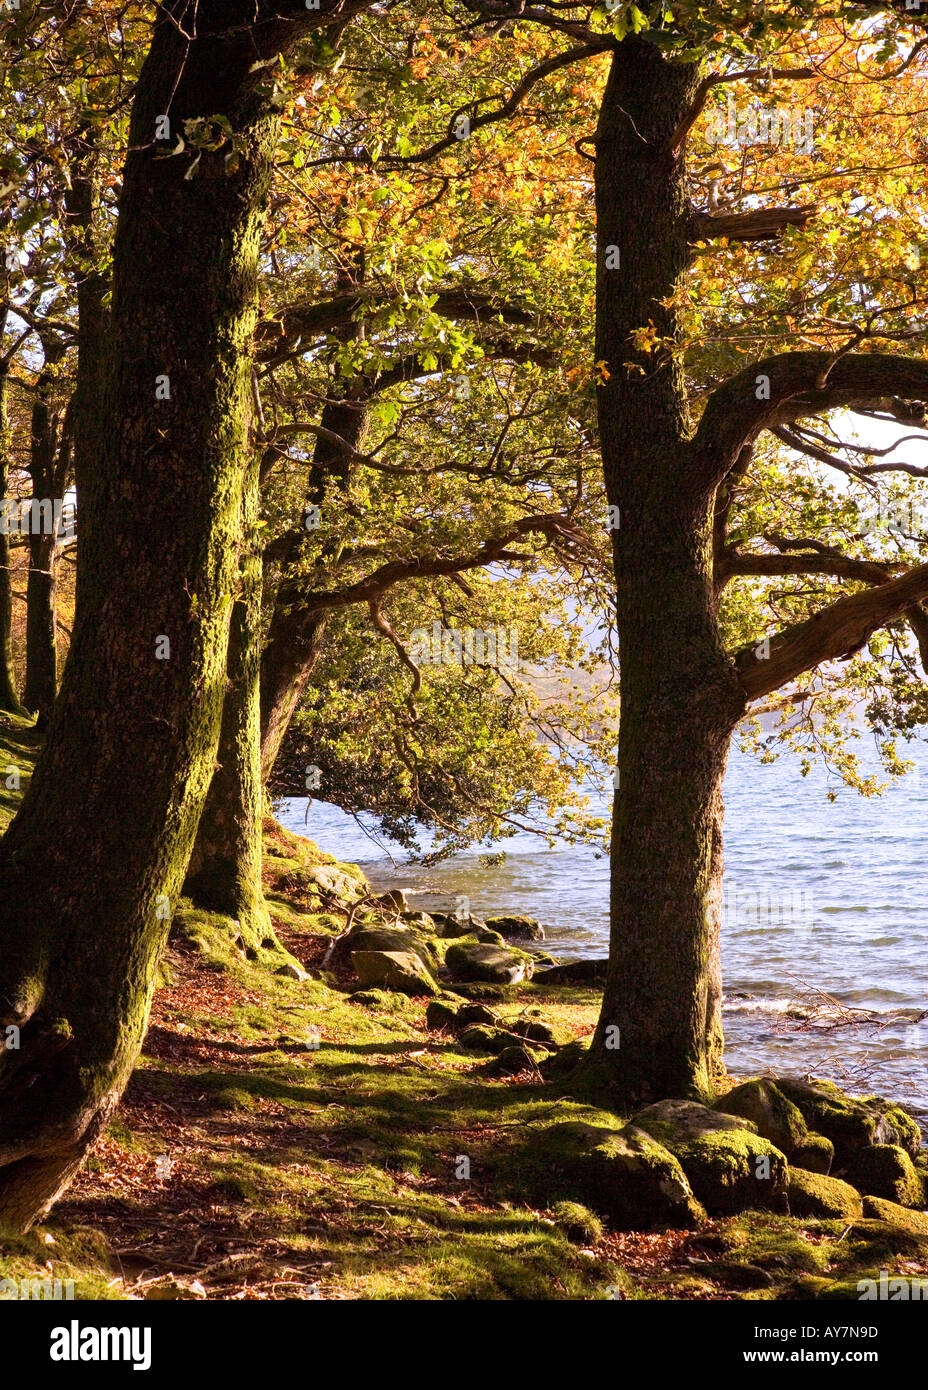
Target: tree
x: 135, y: 729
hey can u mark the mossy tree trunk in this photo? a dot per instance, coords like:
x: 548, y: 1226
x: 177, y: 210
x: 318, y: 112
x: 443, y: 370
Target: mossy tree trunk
x: 224, y: 873
x: 95, y: 859
x: 659, y: 1032
x: 9, y: 700
x: 296, y: 632
x: 47, y: 470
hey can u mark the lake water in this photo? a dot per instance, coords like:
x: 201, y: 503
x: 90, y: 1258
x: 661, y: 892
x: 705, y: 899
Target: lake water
x: 826, y: 911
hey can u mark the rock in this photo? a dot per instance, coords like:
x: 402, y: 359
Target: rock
x: 478, y: 1013
x: 623, y: 1176
x: 334, y: 881
x: 776, y: 1118
x: 396, y: 900
x: 814, y: 1194
x: 535, y: 1032
x: 391, y: 939
x: 885, y: 1170
x: 882, y: 1210
x: 419, y: 921
x: 730, y: 1167
x: 479, y: 1038
x: 449, y: 924
x: 490, y: 938
x: 517, y: 928
x: 850, y: 1122
x: 469, y: 962
x: 815, y: 1154
x: 511, y: 1061
x: 374, y: 999
x: 578, y: 1223
x: 402, y: 971
x: 574, y: 972
x: 292, y: 971
x: 440, y: 1015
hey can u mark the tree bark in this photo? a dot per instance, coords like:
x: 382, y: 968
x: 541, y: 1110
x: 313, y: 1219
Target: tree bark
x: 41, y: 685
x: 659, y: 1033
x: 296, y: 632
x: 9, y: 699
x: 93, y: 863
x: 224, y: 874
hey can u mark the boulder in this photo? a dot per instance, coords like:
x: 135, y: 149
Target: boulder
x: 491, y: 964
x: 292, y: 970
x: 490, y: 938
x: 850, y: 1122
x: 391, y: 939
x: 535, y: 1032
x: 775, y: 1117
x: 885, y: 1170
x: 730, y: 1167
x: 517, y: 928
x: 480, y: 1038
x: 440, y: 1014
x: 575, y: 972
x: 450, y: 924
x: 815, y: 1195
x: 907, y: 1220
x: 816, y: 1154
x: 402, y: 971
x: 624, y: 1176
x: 419, y: 921
x: 511, y: 1061
x: 395, y: 900
x: 477, y: 1013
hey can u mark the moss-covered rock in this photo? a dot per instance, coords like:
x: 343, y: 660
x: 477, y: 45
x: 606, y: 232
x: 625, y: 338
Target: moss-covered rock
x: 885, y: 1170
x: 578, y: 1223
x: 816, y: 1195
x: 441, y: 1015
x: 472, y: 961
x: 624, y: 1176
x: 399, y: 970
x: 534, y: 1031
x: 775, y: 1117
x: 575, y: 972
x: 515, y: 928
x: 512, y: 1060
x: 882, y: 1210
x: 366, y: 938
x: 490, y: 938
x: 816, y: 1154
x: 850, y: 1122
x: 730, y: 1167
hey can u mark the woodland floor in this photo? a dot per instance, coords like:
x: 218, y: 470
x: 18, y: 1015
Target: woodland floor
x: 242, y: 1164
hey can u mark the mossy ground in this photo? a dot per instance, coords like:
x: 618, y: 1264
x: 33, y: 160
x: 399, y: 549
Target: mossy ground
x: 244, y: 1162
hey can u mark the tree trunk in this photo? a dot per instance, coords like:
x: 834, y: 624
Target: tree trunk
x: 9, y: 700
x: 296, y: 633
x: 224, y: 874
x: 659, y: 1032
x: 41, y: 685
x: 93, y: 863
